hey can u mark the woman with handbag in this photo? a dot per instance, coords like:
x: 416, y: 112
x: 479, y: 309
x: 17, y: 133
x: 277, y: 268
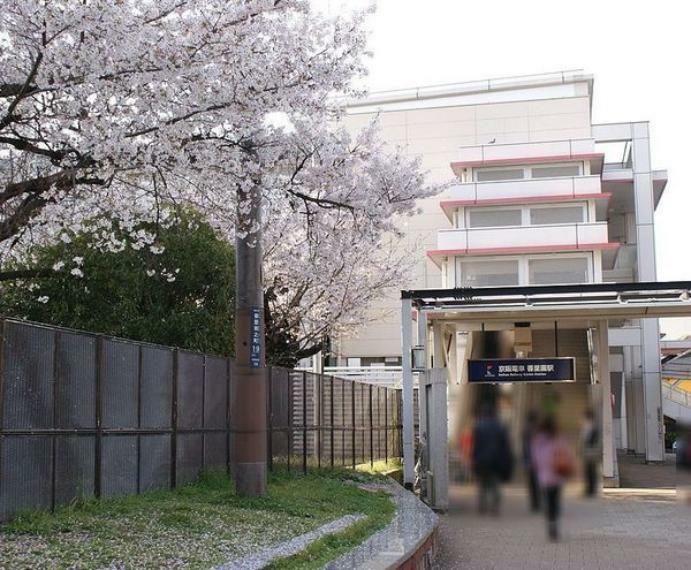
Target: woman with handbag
x: 554, y: 464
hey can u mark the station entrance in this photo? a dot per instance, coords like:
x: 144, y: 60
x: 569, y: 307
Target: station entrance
x: 517, y: 332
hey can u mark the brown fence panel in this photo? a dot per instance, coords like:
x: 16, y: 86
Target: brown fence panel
x: 85, y: 415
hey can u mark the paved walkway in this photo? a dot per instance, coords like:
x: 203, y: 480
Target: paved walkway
x: 634, y: 472
x: 631, y: 529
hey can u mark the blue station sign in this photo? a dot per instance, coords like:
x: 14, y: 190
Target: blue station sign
x: 522, y: 370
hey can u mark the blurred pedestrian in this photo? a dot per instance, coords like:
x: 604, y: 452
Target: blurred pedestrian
x: 590, y: 444
x: 492, y: 459
x: 683, y: 453
x: 554, y: 463
x: 529, y: 432
x: 466, y: 451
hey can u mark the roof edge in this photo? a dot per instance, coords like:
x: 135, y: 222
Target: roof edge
x: 471, y: 87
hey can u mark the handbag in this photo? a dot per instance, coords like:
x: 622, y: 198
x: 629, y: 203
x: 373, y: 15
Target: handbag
x: 562, y: 462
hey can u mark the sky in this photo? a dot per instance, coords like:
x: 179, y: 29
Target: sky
x: 637, y: 51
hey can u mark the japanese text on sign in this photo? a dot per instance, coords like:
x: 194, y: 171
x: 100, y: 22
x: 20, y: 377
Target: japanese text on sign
x: 256, y: 337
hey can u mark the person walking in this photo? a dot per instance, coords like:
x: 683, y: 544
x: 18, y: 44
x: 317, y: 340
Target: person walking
x: 554, y: 464
x: 466, y: 451
x: 529, y: 432
x: 590, y: 443
x: 492, y: 460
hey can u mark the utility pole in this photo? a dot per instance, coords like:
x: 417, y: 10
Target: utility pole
x: 248, y: 395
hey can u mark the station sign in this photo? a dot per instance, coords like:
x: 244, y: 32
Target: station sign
x: 256, y: 337
x: 522, y: 370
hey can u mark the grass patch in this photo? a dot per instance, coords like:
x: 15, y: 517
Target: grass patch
x: 197, y: 526
x: 380, y: 467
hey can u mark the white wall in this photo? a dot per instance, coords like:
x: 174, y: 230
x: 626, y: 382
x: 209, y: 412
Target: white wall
x: 436, y: 134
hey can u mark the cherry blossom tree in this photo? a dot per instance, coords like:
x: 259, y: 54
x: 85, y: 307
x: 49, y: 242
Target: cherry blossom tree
x: 124, y: 107
x: 128, y: 106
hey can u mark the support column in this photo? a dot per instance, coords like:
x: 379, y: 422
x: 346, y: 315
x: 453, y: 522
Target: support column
x: 438, y: 348
x: 630, y: 400
x: 422, y: 336
x: 637, y: 399
x: 623, y: 417
x: 248, y: 414
x: 435, y: 387
x: 407, y: 381
x: 422, y: 341
x: 646, y: 270
x: 608, y: 470
x: 453, y: 357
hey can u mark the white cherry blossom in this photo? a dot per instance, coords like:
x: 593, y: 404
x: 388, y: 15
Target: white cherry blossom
x: 135, y: 107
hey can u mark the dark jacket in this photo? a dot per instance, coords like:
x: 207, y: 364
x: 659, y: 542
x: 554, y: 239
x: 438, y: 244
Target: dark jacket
x: 491, y: 449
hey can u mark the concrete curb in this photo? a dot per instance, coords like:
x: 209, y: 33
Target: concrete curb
x: 408, y: 542
x: 289, y: 548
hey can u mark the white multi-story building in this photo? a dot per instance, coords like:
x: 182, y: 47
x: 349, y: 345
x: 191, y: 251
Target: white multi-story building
x: 535, y: 200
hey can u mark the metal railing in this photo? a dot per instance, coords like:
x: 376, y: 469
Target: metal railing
x: 326, y: 421
x: 677, y: 395
x: 380, y: 375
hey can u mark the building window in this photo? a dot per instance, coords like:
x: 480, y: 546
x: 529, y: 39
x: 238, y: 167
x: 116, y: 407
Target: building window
x: 573, y: 214
x: 555, y: 171
x: 494, y: 217
x: 558, y: 270
x: 497, y: 174
x: 493, y: 273
x: 542, y: 215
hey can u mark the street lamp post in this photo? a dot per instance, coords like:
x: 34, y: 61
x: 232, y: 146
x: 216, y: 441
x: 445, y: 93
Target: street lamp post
x: 248, y: 398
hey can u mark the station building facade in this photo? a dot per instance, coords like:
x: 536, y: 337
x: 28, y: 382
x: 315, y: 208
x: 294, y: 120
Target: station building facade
x: 536, y: 197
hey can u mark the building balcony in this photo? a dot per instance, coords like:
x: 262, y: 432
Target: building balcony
x: 521, y: 239
x: 617, y: 179
x: 538, y: 190
x: 529, y: 152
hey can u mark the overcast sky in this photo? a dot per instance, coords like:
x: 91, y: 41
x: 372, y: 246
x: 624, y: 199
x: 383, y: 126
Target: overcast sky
x: 637, y: 51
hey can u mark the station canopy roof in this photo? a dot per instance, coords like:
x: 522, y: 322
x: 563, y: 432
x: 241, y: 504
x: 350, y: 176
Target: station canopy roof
x: 590, y: 301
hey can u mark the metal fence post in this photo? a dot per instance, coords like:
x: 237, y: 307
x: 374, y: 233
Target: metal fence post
x: 331, y: 417
x: 229, y: 373
x: 99, y: 428
x: 289, y: 432
x: 343, y: 422
x: 363, y: 430
x: 203, y: 450
x: 378, y: 423
x: 371, y: 429
x: 304, y: 421
x: 386, y: 425
x: 54, y: 446
x: 319, y: 416
x: 270, y: 419
x: 139, y: 419
x: 174, y: 423
x: 3, y: 333
x: 352, y: 399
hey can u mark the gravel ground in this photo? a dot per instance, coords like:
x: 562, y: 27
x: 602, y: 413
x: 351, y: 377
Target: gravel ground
x: 195, y: 527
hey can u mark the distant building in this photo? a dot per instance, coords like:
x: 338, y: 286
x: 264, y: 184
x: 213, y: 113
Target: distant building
x: 537, y: 199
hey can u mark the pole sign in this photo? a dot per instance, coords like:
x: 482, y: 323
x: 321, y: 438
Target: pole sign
x: 255, y: 337
x: 522, y: 370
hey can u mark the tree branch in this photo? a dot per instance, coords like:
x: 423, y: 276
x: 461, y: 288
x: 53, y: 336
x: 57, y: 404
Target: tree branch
x: 22, y: 92
x: 26, y: 274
